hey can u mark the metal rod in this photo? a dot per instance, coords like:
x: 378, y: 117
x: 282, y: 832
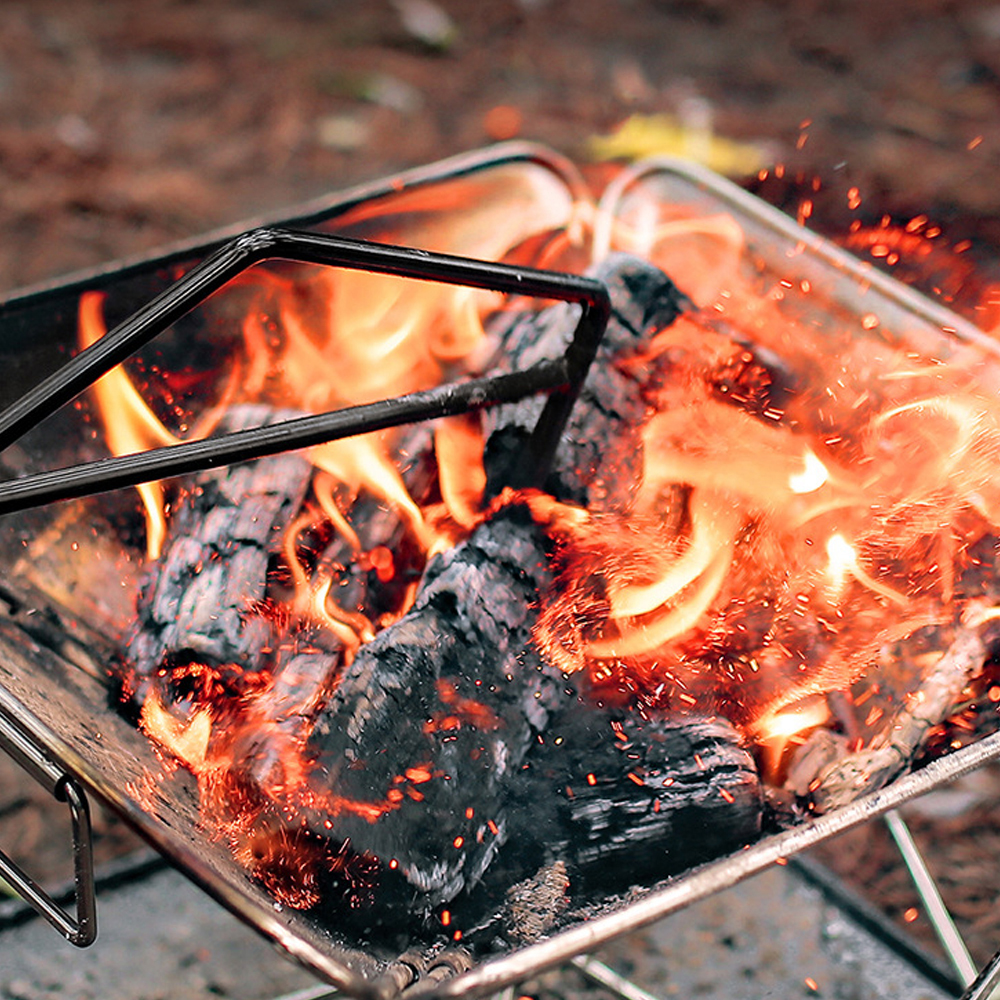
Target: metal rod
x: 605, y: 976
x: 987, y: 984
x: 320, y: 248
x: 927, y: 888
x: 25, y: 750
x: 84, y: 928
x: 319, y: 992
x: 303, y: 432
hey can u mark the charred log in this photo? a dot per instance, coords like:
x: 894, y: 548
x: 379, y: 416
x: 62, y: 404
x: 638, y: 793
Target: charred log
x: 599, y: 456
x: 196, y: 604
x: 431, y: 722
x: 611, y: 800
x: 617, y: 797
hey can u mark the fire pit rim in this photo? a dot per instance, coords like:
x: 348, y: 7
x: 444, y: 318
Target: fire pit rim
x: 656, y: 903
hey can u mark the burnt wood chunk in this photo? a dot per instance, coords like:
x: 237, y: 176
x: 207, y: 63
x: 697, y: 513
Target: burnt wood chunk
x: 609, y: 800
x: 433, y: 718
x: 600, y: 453
x: 618, y: 797
x: 196, y: 604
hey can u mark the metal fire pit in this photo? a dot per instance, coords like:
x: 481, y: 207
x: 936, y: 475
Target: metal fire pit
x: 55, y: 716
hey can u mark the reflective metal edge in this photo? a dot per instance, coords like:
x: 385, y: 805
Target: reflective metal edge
x: 495, y: 974
x: 786, y: 228
x: 315, y: 211
x: 24, y: 749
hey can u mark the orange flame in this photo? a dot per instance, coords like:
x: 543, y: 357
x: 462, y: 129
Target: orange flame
x: 808, y: 490
x: 129, y: 424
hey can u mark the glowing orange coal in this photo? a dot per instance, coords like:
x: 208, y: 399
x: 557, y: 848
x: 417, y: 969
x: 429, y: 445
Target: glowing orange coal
x: 813, y: 485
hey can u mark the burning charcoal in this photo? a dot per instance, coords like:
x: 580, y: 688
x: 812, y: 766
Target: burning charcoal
x: 195, y: 605
x: 373, y: 572
x: 591, y: 466
x: 426, y: 735
x: 403, y: 770
x: 612, y: 800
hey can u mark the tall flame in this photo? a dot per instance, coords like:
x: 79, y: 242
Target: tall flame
x: 129, y: 424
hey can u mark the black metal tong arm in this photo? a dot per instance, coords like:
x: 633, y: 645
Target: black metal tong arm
x: 561, y: 377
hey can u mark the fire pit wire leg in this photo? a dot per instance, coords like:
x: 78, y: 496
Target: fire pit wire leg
x: 937, y: 912
x: 560, y: 377
x: 597, y: 972
x: 987, y: 984
x: 18, y: 743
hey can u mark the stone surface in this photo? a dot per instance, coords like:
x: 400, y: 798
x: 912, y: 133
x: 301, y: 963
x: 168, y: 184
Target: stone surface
x: 768, y: 937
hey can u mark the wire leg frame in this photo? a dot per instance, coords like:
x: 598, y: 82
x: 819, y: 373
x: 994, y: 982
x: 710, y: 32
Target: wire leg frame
x: 560, y: 378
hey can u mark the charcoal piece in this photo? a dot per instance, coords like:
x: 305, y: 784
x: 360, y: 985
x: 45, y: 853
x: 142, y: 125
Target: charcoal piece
x: 196, y: 604
x: 621, y: 799
x: 592, y: 466
x: 432, y: 721
x: 608, y: 800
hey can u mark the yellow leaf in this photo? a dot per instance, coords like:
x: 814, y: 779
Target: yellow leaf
x: 641, y: 136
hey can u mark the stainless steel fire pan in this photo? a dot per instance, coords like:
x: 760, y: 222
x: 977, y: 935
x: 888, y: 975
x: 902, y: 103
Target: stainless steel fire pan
x: 51, y: 691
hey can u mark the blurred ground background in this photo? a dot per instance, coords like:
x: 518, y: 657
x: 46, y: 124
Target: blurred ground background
x: 125, y: 125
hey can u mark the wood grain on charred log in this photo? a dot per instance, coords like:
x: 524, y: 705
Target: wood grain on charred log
x: 600, y: 455
x: 612, y: 799
x: 196, y: 604
x: 619, y: 797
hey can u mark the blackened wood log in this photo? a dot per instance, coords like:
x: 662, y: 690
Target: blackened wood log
x: 620, y: 798
x: 600, y: 454
x: 196, y: 605
x: 433, y: 718
x: 609, y: 800
x: 433, y: 721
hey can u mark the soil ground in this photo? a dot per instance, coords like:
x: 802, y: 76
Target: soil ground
x: 127, y: 125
